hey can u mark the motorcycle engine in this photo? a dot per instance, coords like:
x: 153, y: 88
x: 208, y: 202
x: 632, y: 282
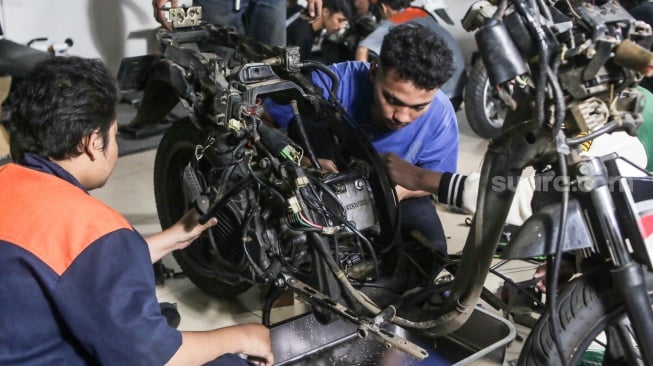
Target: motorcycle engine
x: 338, y: 205
x: 353, y: 194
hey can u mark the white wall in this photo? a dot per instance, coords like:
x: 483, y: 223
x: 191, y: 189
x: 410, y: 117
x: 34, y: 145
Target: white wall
x: 106, y: 29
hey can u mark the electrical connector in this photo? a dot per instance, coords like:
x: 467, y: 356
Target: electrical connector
x: 294, y: 205
x: 235, y: 124
x: 301, y: 182
x: 330, y: 230
x: 292, y: 154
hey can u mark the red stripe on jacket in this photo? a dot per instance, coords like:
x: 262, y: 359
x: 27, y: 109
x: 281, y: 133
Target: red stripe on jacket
x: 50, y: 217
x: 408, y: 14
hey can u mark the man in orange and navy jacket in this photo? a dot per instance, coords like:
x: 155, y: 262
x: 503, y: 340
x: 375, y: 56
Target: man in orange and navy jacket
x: 76, y: 280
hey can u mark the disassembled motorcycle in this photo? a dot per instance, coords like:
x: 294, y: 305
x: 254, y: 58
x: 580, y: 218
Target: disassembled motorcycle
x: 332, y: 238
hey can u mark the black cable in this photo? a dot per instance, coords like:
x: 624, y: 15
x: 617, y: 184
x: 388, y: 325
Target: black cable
x: 545, y: 9
x: 236, y: 188
x: 302, y: 133
x: 607, y: 128
x: 265, y: 184
x: 501, y: 8
x: 559, y: 97
x: 253, y: 207
x: 537, y: 32
x: 335, y: 83
x: 325, y: 210
x: 228, y: 171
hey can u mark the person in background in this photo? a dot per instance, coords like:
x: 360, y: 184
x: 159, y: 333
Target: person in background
x: 365, y: 20
x: 394, y: 12
x: 76, y: 280
x: 304, y: 33
x: 398, y: 104
x: 263, y: 20
x: 388, y: 11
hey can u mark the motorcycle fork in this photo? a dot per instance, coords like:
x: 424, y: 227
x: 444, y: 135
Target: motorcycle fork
x: 609, y: 223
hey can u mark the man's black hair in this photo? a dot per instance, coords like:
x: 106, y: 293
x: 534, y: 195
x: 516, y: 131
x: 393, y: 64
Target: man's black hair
x: 395, y: 4
x: 417, y: 54
x: 336, y: 6
x: 62, y: 100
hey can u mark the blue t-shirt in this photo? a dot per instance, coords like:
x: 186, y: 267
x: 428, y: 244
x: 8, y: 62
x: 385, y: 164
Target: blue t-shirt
x: 430, y: 142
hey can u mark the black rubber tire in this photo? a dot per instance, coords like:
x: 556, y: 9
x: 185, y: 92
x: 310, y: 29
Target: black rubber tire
x: 484, y: 110
x: 589, y: 306
x: 174, y: 152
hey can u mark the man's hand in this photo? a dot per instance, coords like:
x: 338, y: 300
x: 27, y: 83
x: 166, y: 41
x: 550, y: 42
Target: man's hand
x: 401, y: 192
x: 251, y: 340
x: 327, y: 165
x: 159, y: 14
x: 314, y: 9
x: 257, y: 347
x: 410, y: 176
x: 178, y: 236
x: 187, y: 229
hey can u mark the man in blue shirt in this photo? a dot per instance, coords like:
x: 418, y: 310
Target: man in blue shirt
x: 401, y: 109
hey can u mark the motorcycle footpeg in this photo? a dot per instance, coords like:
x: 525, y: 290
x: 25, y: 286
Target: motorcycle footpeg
x: 193, y: 190
x: 367, y: 328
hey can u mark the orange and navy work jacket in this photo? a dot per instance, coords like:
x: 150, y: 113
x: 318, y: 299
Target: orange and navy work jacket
x: 76, y: 281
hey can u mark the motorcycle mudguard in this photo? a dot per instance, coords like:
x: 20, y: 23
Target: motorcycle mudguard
x: 538, y: 235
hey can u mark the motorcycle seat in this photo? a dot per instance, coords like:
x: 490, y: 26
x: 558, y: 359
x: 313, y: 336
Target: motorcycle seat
x: 18, y: 59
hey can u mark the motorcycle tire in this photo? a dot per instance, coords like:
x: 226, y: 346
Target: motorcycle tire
x: 484, y: 109
x: 590, y: 307
x: 174, y: 152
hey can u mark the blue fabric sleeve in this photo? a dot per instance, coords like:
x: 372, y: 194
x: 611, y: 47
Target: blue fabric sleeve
x: 281, y: 113
x: 108, y: 300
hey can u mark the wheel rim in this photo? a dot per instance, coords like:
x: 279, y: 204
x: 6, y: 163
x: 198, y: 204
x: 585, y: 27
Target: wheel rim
x: 493, y: 107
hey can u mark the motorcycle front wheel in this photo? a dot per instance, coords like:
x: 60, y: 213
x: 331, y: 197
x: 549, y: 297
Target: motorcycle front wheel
x: 595, y: 329
x: 198, y: 260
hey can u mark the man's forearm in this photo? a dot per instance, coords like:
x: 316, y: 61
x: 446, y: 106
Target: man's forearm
x: 414, y: 194
x: 450, y: 189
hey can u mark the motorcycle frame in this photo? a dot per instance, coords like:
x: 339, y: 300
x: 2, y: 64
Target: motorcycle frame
x: 608, y: 222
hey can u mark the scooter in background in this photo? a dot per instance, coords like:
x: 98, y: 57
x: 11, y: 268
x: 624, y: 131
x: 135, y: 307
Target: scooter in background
x: 484, y: 107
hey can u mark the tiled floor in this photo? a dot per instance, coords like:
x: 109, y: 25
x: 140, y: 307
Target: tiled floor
x: 130, y: 191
